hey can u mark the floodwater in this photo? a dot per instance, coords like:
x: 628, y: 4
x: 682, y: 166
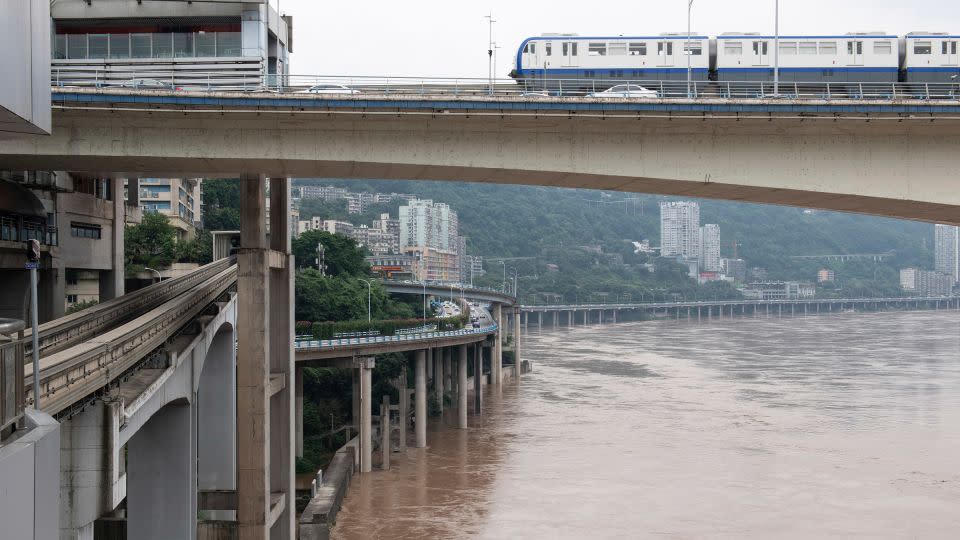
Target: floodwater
x: 832, y: 426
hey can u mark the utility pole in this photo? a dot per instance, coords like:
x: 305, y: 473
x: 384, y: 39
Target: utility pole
x: 490, y: 46
x: 688, y: 51
x: 33, y: 263
x: 776, y: 47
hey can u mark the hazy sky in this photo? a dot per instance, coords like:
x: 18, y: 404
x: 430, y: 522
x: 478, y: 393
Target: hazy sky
x: 441, y: 38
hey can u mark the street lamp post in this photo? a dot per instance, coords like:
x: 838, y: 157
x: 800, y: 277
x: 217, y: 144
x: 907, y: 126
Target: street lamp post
x: 369, y: 289
x: 776, y: 47
x: 688, y: 50
x: 424, y: 302
x: 159, y: 279
x: 490, y: 45
x: 503, y: 285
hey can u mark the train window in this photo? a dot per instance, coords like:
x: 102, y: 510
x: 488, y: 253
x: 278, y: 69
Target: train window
x: 760, y: 47
x: 733, y: 47
x: 617, y: 49
x: 882, y: 47
x: 923, y: 47
x: 638, y: 49
x: 808, y: 47
x: 788, y: 47
x: 597, y: 49
x: 526, y: 48
x: 693, y: 48
x: 828, y: 47
x: 949, y: 47
x: 665, y: 48
x: 854, y: 47
x: 549, y: 48
x: 533, y: 48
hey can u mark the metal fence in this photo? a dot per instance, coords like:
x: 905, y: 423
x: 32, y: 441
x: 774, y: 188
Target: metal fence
x: 161, y: 77
x: 11, y: 374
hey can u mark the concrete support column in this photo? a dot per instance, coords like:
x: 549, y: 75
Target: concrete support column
x: 462, y: 384
x: 161, y: 481
x: 385, y: 433
x: 420, y: 397
x: 438, y: 375
x: 111, y: 281
x: 253, y: 363
x: 496, y: 363
x: 355, y: 406
x: 365, y: 368
x: 516, y: 348
x: 298, y: 410
x: 447, y: 370
x: 477, y: 379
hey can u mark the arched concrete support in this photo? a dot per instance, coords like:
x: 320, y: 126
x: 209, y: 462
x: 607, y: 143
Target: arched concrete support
x: 161, y: 481
x: 462, y: 384
x: 420, y: 397
x: 217, y: 416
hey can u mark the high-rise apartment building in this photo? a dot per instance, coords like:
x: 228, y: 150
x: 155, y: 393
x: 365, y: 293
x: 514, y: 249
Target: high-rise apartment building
x: 176, y: 198
x: 430, y: 230
x: 946, y: 258
x: 710, y: 248
x: 680, y: 230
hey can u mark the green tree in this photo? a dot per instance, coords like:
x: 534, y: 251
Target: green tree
x: 151, y: 243
x: 341, y: 254
x: 342, y: 298
x: 221, y: 204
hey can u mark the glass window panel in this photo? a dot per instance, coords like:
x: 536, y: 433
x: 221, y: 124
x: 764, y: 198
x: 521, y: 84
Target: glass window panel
x: 163, y: 45
x: 882, y: 47
x: 733, y: 47
x: 808, y: 47
x: 597, y: 49
x: 549, y: 47
x: 206, y: 44
x: 617, y: 49
x: 828, y: 47
x: 119, y: 45
x: 923, y: 47
x: 228, y: 44
x: 638, y: 49
x: 693, y: 49
x: 140, y: 45
x: 77, y: 46
x: 182, y: 45
x: 789, y: 47
x: 98, y: 45
x: 60, y: 46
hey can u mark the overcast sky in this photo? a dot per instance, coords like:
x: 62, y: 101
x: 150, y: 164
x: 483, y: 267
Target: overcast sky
x: 448, y: 38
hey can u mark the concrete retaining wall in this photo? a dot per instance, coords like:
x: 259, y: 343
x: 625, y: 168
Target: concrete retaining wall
x: 320, y: 514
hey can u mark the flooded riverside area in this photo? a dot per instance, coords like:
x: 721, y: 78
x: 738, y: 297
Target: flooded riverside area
x: 832, y: 426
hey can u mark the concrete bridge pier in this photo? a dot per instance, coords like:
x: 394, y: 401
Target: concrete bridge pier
x: 420, y: 397
x: 365, y: 368
x: 161, y: 479
x: 438, y: 376
x: 298, y: 409
x: 447, y: 372
x: 477, y: 379
x: 540, y: 320
x: 516, y: 352
x: 586, y: 317
x: 496, y: 361
x: 462, y: 383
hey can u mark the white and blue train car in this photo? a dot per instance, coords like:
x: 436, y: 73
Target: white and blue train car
x: 856, y: 57
x: 600, y: 62
x: 932, y: 57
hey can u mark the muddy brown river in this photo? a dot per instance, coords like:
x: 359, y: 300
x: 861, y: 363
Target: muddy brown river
x: 833, y: 426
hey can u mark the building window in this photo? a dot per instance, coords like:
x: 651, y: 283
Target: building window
x: 228, y: 44
x: 119, y: 45
x: 71, y: 276
x: 638, y: 49
x: 923, y: 47
x: 182, y: 45
x: 597, y: 49
x: 808, y: 47
x: 882, y: 47
x: 140, y: 45
x: 71, y: 299
x: 163, y: 45
x: 76, y: 46
x: 59, y: 46
x: 828, y: 47
x: 733, y: 47
x: 85, y: 230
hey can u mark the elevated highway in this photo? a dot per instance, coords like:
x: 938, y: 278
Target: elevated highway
x: 446, y: 291
x: 892, y: 157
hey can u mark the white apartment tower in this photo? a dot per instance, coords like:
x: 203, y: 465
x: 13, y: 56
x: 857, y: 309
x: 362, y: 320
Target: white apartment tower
x: 424, y: 223
x: 946, y: 258
x: 710, y: 248
x: 680, y: 229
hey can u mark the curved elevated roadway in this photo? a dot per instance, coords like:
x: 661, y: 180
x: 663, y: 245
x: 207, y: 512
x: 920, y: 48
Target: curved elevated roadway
x: 445, y: 291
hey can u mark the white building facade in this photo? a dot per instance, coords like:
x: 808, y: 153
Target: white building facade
x: 710, y: 248
x: 946, y: 258
x: 680, y: 230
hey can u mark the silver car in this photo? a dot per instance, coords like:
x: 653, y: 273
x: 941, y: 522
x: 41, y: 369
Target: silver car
x: 329, y: 89
x: 625, y: 91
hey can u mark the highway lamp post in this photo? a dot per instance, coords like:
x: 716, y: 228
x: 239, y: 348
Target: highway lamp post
x: 33, y: 263
x: 424, y: 302
x: 159, y: 279
x: 490, y: 45
x: 503, y: 285
x: 369, y: 291
x: 688, y: 51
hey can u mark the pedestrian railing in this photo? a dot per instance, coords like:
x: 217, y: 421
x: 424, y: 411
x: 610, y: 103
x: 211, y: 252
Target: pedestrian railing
x: 11, y: 374
x: 400, y: 338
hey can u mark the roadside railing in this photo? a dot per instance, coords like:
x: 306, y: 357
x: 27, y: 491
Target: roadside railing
x: 726, y: 302
x: 250, y: 79
x: 376, y: 340
x: 11, y: 374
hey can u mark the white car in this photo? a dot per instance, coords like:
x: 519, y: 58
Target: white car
x: 329, y: 89
x: 625, y: 91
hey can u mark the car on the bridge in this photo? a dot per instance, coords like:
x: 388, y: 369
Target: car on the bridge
x: 148, y: 84
x: 330, y: 89
x: 625, y: 91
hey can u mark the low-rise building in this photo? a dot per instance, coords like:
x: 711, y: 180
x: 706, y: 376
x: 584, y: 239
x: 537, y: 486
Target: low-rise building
x: 908, y: 279
x: 779, y: 290
x: 395, y: 266
x: 825, y: 275
x: 735, y: 269
x: 925, y: 282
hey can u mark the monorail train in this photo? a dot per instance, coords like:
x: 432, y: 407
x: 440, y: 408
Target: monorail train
x: 870, y: 57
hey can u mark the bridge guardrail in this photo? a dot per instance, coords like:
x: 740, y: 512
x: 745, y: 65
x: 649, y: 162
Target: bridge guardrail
x: 376, y: 340
x: 71, y: 374
x: 745, y: 301
x: 11, y: 381
x: 529, y: 89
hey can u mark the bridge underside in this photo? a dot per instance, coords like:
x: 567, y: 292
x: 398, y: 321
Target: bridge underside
x: 893, y: 165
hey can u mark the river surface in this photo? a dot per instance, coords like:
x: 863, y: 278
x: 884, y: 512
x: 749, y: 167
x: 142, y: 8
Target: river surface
x: 835, y: 426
